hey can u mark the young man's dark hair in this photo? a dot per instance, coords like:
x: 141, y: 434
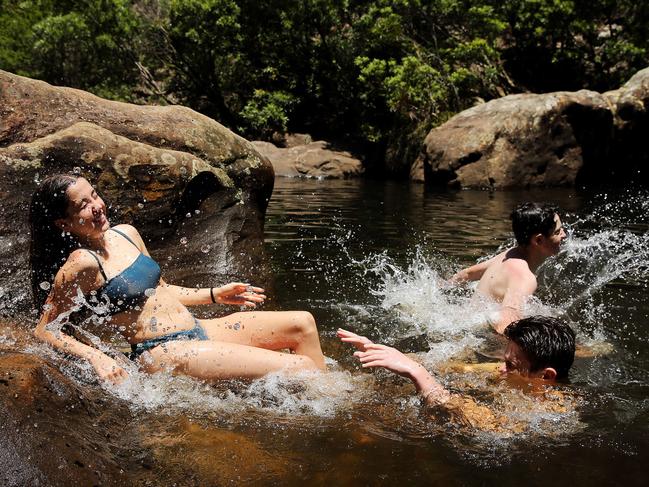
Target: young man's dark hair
x: 529, y: 219
x: 546, y: 342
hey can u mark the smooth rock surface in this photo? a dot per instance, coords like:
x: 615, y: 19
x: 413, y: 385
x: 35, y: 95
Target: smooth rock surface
x: 553, y: 139
x: 181, y: 178
x: 312, y: 160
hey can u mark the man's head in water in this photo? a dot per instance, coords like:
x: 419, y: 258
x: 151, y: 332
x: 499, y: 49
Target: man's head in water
x: 539, y: 226
x: 540, y: 346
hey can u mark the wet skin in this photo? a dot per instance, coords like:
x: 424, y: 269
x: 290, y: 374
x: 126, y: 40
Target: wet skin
x: 248, y: 350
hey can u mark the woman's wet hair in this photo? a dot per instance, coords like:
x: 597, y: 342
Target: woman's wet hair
x: 546, y: 342
x: 50, y: 246
x: 529, y: 219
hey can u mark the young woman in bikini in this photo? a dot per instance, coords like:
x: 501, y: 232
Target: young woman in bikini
x: 75, y: 255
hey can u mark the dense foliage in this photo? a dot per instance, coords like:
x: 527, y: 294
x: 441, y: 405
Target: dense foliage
x: 375, y: 72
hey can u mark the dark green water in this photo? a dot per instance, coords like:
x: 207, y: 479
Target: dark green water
x: 368, y: 255
x: 349, y: 250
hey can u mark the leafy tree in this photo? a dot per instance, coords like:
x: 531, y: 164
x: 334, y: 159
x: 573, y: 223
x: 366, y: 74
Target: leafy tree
x: 379, y: 73
x: 80, y: 43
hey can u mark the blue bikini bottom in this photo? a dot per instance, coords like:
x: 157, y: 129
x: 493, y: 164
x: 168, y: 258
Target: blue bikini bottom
x: 196, y: 333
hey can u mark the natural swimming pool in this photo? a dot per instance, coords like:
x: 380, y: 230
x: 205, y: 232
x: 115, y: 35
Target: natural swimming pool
x: 367, y: 255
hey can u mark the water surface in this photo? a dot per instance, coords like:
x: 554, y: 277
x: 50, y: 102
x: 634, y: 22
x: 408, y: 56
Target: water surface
x: 369, y: 256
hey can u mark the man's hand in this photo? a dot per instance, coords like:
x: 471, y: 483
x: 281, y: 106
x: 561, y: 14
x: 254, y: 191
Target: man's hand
x: 376, y: 355
x: 241, y: 294
x: 352, y: 338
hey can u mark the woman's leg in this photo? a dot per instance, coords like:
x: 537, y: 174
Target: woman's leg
x: 210, y: 360
x: 272, y: 330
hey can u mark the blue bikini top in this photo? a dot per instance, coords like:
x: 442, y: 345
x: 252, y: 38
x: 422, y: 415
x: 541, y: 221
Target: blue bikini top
x: 128, y: 288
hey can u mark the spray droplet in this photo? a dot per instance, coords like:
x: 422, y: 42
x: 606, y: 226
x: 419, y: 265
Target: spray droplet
x: 149, y: 292
x: 44, y: 285
x: 205, y: 249
x: 183, y: 241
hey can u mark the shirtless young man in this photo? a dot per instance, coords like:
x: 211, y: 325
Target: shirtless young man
x: 540, y: 349
x: 509, y: 277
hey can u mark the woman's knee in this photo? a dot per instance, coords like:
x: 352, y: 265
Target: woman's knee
x: 303, y: 324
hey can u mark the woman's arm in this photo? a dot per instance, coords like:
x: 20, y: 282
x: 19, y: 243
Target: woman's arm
x: 75, y: 275
x: 235, y: 293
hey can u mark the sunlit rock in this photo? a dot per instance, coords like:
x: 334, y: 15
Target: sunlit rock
x: 310, y: 160
x: 552, y: 139
x: 154, y: 165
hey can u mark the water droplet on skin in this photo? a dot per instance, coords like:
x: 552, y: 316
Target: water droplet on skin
x: 236, y: 326
x: 149, y: 292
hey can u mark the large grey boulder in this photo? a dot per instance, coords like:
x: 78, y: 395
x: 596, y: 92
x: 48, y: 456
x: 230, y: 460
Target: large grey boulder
x: 553, y: 139
x: 187, y: 182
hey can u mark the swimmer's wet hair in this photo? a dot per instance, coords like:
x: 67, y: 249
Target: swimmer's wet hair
x: 546, y: 341
x: 529, y: 219
x: 49, y: 246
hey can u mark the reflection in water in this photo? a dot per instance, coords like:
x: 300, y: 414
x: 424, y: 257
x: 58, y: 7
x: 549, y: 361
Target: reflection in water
x: 371, y: 256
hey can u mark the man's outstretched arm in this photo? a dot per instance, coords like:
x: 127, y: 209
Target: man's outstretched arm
x: 473, y: 273
x: 462, y: 410
x: 374, y: 355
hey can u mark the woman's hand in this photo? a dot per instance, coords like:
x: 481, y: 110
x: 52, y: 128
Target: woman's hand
x: 240, y: 294
x: 108, y: 370
x: 376, y: 355
x: 358, y: 341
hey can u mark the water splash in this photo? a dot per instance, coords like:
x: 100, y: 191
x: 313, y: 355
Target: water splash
x: 309, y: 394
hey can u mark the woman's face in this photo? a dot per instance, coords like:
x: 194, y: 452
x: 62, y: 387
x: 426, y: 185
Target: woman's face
x: 86, y: 213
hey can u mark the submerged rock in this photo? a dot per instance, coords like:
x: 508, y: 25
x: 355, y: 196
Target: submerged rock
x: 310, y: 160
x: 553, y: 139
x: 182, y: 178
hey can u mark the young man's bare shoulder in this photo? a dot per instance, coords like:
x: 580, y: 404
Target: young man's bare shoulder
x: 518, y: 273
x: 517, y: 266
